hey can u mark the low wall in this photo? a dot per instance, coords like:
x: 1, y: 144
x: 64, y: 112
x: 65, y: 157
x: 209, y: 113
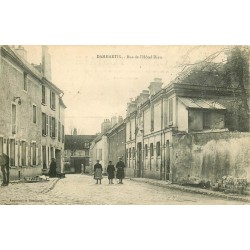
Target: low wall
x: 210, y: 156
x: 20, y: 173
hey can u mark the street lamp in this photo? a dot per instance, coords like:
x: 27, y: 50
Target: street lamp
x: 19, y: 100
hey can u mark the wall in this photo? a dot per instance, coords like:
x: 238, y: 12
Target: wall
x: 152, y: 164
x: 182, y: 117
x: 96, y: 148
x: 12, y: 85
x: 157, y: 116
x: 210, y: 156
x: 147, y: 121
x: 12, y: 82
x: 116, y: 143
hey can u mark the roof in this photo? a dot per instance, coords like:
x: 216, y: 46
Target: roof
x: 199, y: 103
x: 116, y: 126
x: 77, y: 141
x: 28, y: 67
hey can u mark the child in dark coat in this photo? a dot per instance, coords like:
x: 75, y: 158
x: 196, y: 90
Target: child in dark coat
x: 111, y: 172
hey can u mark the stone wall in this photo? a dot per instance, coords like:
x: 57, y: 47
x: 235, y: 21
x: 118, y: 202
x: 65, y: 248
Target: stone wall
x: 210, y: 156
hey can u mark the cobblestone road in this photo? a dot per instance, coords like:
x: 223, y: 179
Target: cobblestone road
x: 81, y: 189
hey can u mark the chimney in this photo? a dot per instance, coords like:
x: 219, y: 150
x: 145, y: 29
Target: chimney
x: 106, y: 125
x: 46, y: 64
x: 21, y: 52
x: 120, y: 119
x: 114, y: 121
x: 131, y: 107
x: 143, y: 97
x: 75, y: 131
x: 155, y: 86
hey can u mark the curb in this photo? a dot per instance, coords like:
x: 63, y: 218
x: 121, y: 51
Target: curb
x: 193, y: 190
x: 53, y: 184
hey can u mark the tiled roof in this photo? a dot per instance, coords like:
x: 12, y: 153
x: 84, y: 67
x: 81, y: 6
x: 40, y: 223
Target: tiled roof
x: 77, y: 141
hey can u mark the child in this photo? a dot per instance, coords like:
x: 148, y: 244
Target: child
x: 111, y: 172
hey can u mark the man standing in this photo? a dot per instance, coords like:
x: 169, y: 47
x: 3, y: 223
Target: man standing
x: 120, y: 170
x: 5, y: 168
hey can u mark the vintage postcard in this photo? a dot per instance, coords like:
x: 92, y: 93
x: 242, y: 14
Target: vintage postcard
x: 124, y: 125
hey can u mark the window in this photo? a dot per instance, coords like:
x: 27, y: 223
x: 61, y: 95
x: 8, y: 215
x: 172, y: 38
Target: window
x: 127, y: 153
x: 86, y: 152
x: 86, y: 144
x: 146, y: 150
x: 152, y: 117
x: 43, y: 94
x: 59, y: 131
x: 158, y: 149
x: 44, y: 157
x: 44, y: 130
x: 34, y: 113
x: 13, y: 118
x: 33, y: 153
x: 53, y: 127
x: 25, y: 81
x: 133, y: 152
x: 170, y: 111
x: 151, y: 149
x: 52, y: 100
x: 23, y: 159
x: 12, y: 152
x: 130, y: 153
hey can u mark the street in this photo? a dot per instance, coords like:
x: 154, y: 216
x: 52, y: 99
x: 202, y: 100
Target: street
x: 81, y: 189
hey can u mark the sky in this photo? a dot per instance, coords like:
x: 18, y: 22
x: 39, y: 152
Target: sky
x: 96, y: 88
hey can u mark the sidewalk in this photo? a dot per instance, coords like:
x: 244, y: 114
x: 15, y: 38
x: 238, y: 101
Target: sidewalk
x: 160, y: 183
x: 25, y: 193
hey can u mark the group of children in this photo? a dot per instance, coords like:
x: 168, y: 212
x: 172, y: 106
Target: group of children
x: 110, y: 171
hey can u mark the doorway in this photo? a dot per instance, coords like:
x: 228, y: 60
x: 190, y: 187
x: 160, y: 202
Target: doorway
x: 139, y: 159
x: 167, y: 160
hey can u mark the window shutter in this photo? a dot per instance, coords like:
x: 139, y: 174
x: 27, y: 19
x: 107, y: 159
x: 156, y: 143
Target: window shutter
x: 36, y: 155
x: 16, y: 154
x: 47, y: 125
x: 55, y: 128
x: 50, y: 122
x: 50, y: 102
x: 20, y: 154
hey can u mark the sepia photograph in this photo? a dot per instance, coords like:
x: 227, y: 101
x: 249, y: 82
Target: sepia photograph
x: 124, y: 125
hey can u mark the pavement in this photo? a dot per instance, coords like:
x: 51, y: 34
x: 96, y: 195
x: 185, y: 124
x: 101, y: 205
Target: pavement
x: 78, y: 189
x: 21, y: 192
x: 160, y: 183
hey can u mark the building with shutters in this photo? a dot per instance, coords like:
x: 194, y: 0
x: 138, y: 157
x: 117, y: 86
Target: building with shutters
x: 31, y: 113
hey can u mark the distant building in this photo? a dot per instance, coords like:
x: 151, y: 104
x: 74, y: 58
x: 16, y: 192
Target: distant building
x: 116, y: 137
x: 100, y: 146
x: 77, y: 152
x: 32, y: 114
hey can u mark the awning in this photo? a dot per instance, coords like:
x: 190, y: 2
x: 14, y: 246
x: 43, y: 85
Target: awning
x: 200, y: 103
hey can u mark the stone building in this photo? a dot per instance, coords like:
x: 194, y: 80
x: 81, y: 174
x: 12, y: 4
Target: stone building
x: 109, y: 144
x: 170, y: 130
x: 31, y: 113
x: 77, y: 152
x: 116, y: 138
